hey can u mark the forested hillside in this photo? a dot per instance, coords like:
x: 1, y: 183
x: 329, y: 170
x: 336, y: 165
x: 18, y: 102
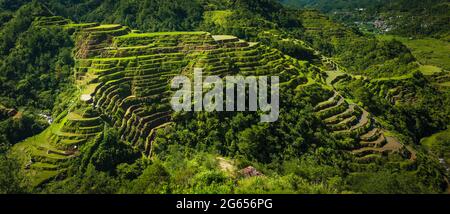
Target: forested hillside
x: 401, y: 17
x: 85, y: 91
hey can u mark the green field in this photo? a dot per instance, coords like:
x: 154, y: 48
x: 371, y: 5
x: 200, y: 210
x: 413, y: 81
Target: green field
x: 429, y: 69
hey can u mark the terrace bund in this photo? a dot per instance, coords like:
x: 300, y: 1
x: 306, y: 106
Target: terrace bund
x: 125, y: 77
x: 124, y: 80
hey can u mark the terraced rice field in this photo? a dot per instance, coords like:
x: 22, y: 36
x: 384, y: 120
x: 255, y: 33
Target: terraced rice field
x: 126, y: 76
x: 124, y: 80
x: 346, y: 120
x: 46, y: 154
x: 349, y: 120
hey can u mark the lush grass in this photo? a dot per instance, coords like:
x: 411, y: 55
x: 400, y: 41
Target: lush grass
x: 41, y: 176
x: 22, y: 147
x: 100, y: 27
x: 429, y: 69
x: 89, y: 89
x: 224, y: 37
x: 74, y: 116
x: 428, y: 51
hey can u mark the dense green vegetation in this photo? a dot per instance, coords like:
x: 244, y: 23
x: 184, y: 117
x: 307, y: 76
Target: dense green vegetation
x: 353, y: 111
x: 328, y: 6
x: 359, y: 54
x: 18, y: 128
x: 34, y: 68
x: 402, y: 17
x: 439, y: 144
x: 377, y: 58
x: 426, y: 111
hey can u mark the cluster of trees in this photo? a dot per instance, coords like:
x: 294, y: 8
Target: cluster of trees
x: 247, y: 19
x: 12, y: 181
x: 35, y: 66
x: 35, y: 62
x: 159, y: 15
x: 148, y: 15
x: 375, y: 58
x: 18, y: 128
x: 240, y: 134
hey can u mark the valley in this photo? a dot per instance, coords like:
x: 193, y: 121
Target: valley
x: 85, y: 105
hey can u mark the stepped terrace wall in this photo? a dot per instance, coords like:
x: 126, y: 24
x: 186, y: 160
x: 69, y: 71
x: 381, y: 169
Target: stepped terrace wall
x: 128, y: 77
x: 350, y: 121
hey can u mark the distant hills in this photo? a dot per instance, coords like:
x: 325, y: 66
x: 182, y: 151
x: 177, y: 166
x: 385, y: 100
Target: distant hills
x: 85, y: 91
x: 404, y: 17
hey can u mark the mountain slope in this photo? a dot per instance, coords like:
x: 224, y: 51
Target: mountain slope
x: 402, y: 17
x: 345, y: 118
x: 123, y: 80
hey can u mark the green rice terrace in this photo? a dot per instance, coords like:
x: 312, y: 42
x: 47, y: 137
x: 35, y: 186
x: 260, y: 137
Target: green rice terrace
x: 86, y: 91
x: 123, y: 80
